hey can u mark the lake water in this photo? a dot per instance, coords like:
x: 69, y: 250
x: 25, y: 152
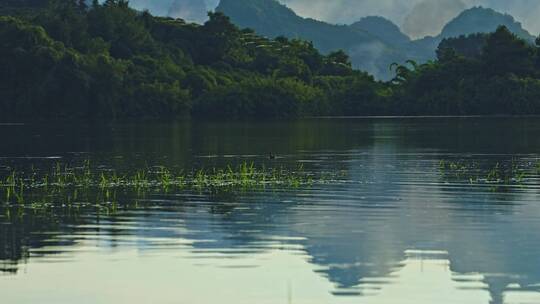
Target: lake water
x: 392, y: 226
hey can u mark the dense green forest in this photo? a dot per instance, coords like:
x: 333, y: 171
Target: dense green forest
x: 71, y: 60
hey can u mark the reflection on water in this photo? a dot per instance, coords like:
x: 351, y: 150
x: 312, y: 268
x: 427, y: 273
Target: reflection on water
x: 393, y: 229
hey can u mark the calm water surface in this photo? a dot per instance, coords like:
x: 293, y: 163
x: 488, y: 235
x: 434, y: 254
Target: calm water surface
x: 393, y: 228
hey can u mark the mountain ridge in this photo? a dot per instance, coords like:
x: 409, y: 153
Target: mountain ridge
x: 373, y: 42
x: 382, y: 28
x: 485, y: 20
x: 271, y: 18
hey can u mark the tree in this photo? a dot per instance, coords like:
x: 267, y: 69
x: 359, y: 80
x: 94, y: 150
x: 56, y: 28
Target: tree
x: 221, y: 37
x: 340, y: 58
x: 403, y: 72
x: 505, y: 53
x: 471, y: 46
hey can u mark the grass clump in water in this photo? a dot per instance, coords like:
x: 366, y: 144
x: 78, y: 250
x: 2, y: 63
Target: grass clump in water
x: 512, y: 172
x: 244, y: 175
x: 63, y: 186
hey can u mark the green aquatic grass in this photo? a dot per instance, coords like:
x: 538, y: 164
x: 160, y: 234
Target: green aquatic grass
x: 245, y: 174
x: 68, y: 187
x: 512, y: 172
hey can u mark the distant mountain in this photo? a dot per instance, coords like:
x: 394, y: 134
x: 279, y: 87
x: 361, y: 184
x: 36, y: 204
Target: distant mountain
x: 471, y: 21
x: 373, y: 43
x: 271, y: 18
x: 483, y: 20
x: 383, y: 29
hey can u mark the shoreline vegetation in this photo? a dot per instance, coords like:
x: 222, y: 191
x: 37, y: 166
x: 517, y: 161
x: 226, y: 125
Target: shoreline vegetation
x: 70, y: 60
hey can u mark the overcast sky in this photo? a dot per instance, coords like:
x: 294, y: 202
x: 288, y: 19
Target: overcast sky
x: 416, y: 17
